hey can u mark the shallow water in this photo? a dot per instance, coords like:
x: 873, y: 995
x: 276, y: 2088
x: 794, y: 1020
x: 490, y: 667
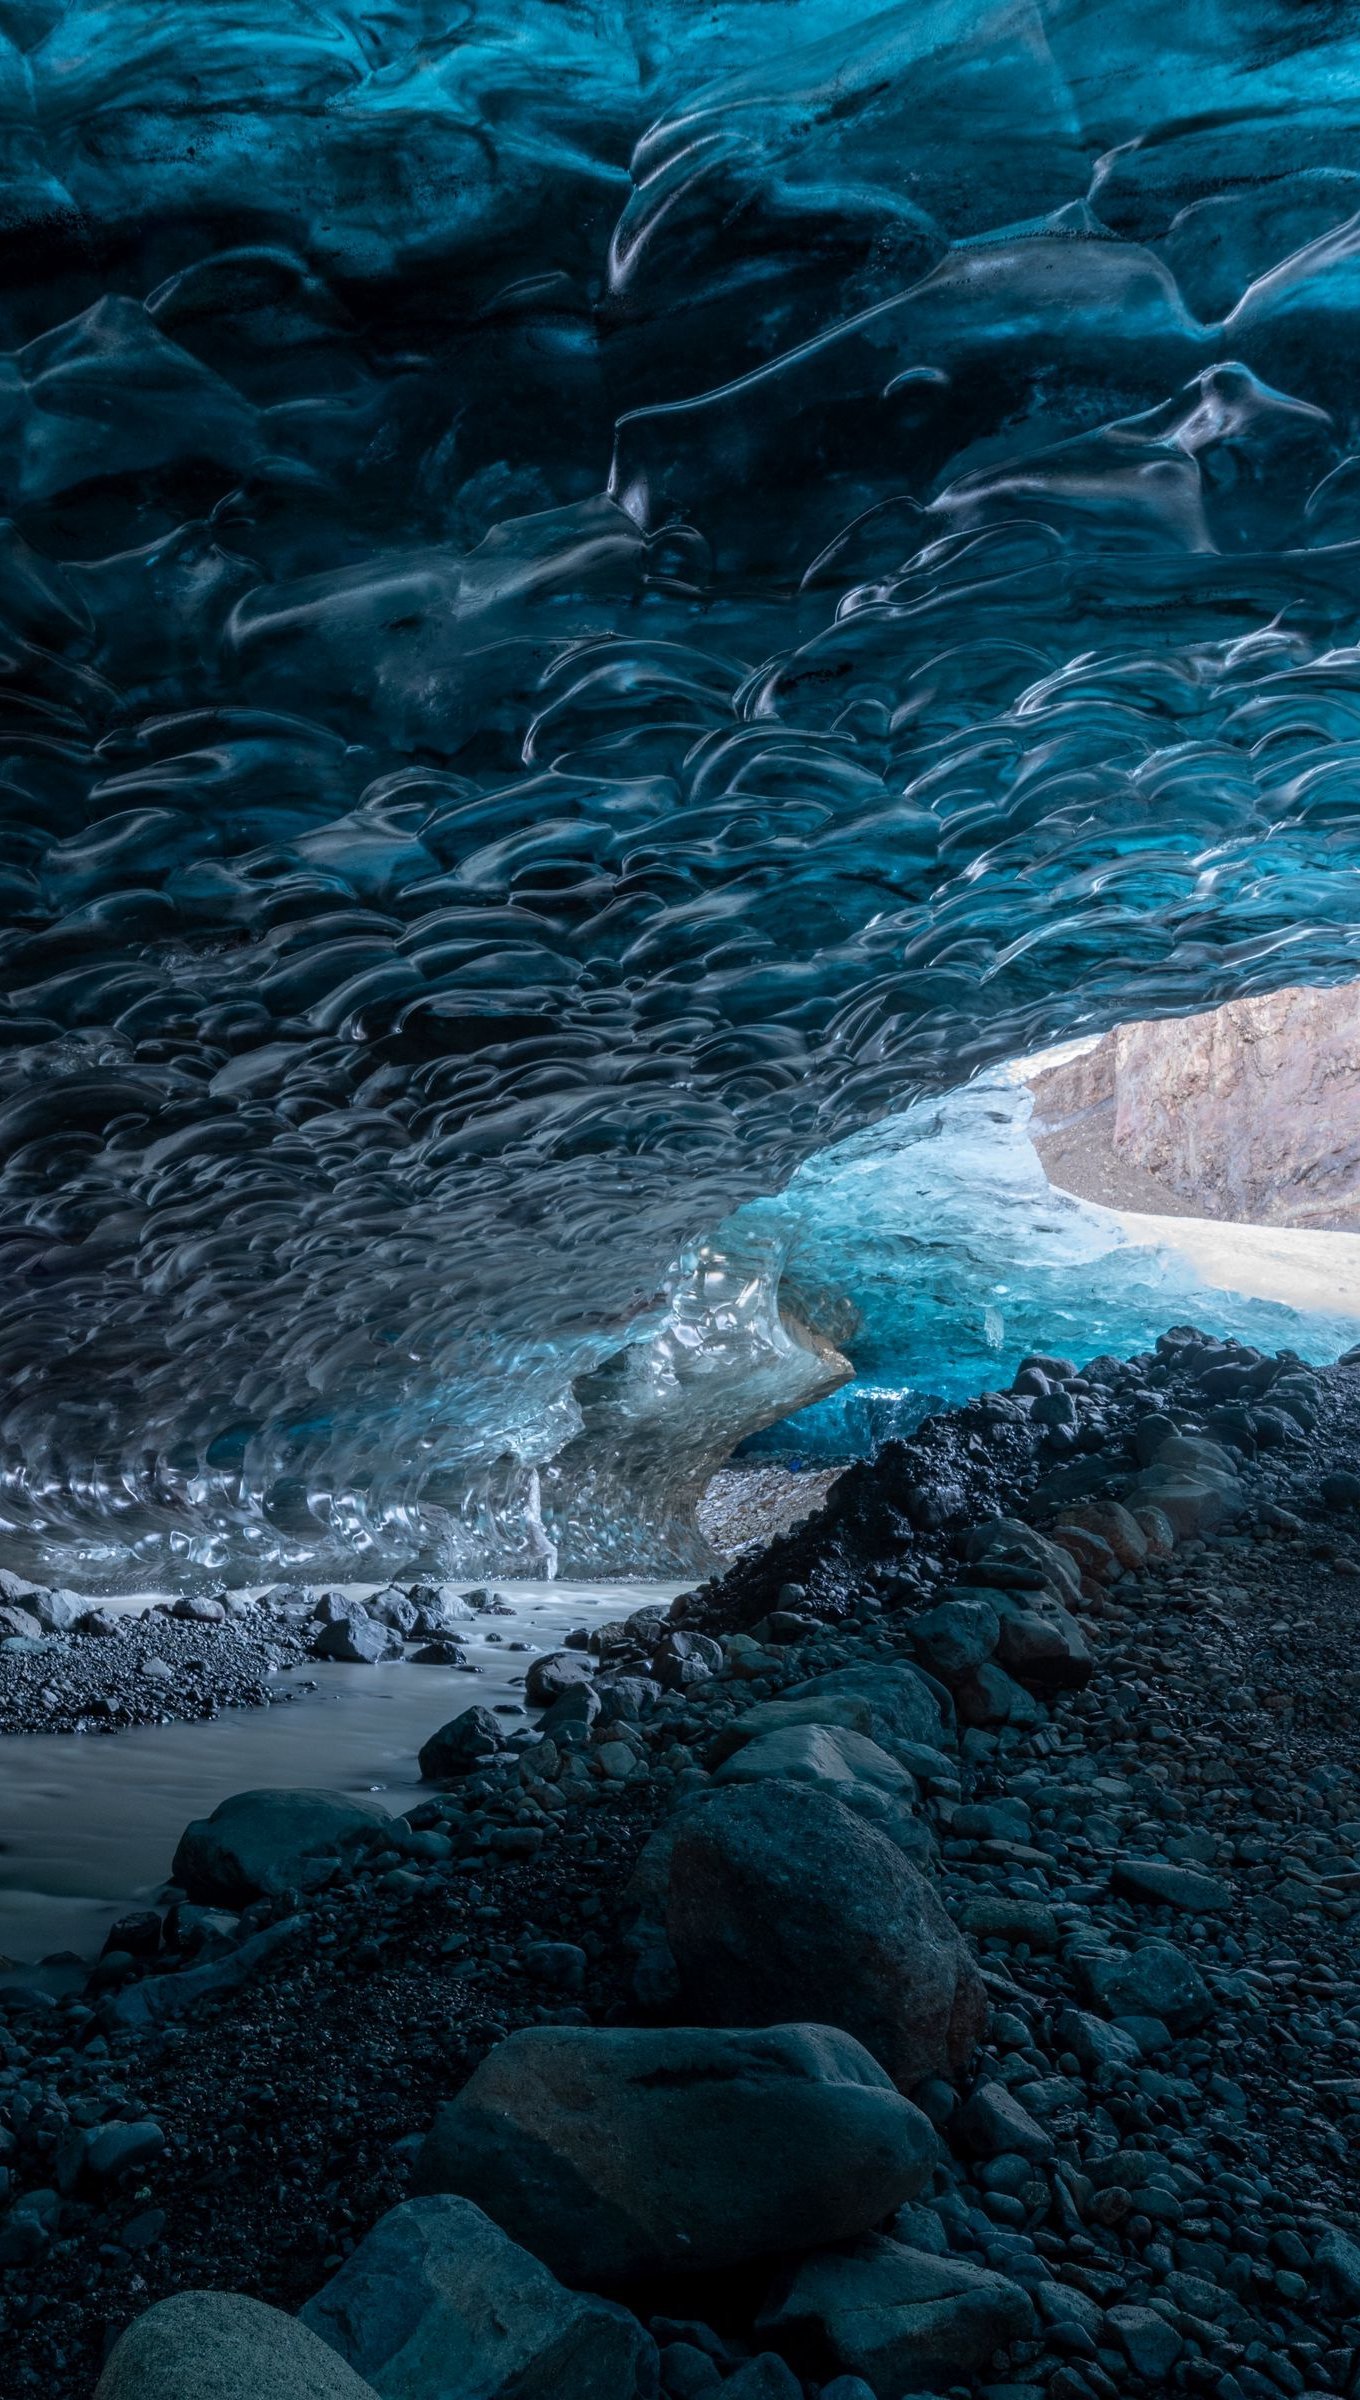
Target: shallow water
x: 90, y: 1822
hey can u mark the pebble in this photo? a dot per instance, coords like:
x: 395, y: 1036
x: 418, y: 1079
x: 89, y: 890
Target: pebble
x: 1161, y: 1873
x: 117, y: 1668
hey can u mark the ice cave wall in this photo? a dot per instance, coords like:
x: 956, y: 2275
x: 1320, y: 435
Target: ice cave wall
x: 591, y: 597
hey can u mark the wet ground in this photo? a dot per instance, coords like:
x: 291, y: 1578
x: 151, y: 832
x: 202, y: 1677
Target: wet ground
x: 88, y: 1823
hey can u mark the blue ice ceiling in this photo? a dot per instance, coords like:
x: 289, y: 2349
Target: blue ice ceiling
x: 591, y: 597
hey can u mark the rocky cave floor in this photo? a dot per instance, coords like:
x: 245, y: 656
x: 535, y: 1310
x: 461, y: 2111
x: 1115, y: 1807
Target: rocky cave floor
x: 70, y: 1665
x: 1150, y: 2156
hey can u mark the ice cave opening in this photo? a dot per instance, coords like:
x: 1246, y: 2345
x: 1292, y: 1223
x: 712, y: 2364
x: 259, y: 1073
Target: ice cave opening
x: 1019, y: 1212
x: 597, y: 602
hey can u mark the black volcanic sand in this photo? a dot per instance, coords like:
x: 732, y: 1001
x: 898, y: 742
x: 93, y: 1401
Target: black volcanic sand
x: 1212, y: 2178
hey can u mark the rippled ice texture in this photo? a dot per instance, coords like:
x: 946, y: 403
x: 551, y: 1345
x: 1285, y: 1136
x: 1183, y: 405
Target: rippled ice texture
x: 593, y: 596
x: 946, y: 1255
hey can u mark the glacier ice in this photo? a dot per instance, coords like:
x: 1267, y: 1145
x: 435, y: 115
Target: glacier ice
x: 594, y: 595
x: 938, y: 1252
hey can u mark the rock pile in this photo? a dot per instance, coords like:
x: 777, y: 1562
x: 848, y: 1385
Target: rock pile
x: 933, y: 1972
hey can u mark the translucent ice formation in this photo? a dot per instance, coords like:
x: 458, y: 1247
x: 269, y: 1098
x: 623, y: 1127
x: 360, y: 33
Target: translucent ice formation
x: 595, y: 593
x: 952, y: 1256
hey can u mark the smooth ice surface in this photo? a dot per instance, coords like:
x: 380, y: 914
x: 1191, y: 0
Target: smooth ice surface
x: 593, y: 596
x: 951, y: 1256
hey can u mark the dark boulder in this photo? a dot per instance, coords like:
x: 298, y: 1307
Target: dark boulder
x: 905, y: 2320
x: 392, y: 1608
x: 681, y: 1659
x: 358, y: 1641
x: 258, y: 1843
x: 618, y: 2153
x: 780, y: 1902
x: 438, y: 2304
x: 553, y: 1674
x: 459, y: 1747
x: 1043, y: 1647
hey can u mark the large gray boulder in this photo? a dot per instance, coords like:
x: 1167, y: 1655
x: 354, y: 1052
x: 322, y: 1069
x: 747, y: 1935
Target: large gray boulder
x: 392, y: 1608
x: 904, y: 1704
x: 849, y: 1709
x: 438, y: 2304
x: 556, y: 1672
x: 262, y: 1843
x: 358, y: 1640
x: 903, y: 2319
x: 780, y: 1902
x: 221, y: 2346
x: 56, y: 1612
x: 618, y: 2153
x: 828, y: 1755
x: 336, y: 1608
x: 439, y: 1612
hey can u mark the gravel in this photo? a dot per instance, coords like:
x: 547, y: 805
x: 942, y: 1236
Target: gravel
x: 743, y: 1507
x: 1155, y: 2141
x: 148, y: 1668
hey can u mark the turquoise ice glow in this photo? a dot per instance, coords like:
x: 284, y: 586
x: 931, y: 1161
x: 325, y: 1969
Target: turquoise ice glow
x: 950, y: 1257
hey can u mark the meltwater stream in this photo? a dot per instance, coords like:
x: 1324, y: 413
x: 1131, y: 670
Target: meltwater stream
x: 88, y: 1824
